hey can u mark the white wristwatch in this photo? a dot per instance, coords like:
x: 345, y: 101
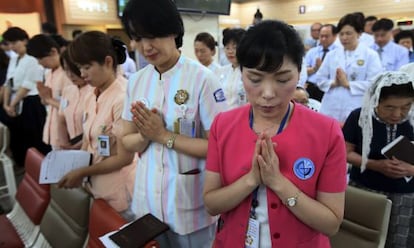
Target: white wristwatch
x: 292, y: 201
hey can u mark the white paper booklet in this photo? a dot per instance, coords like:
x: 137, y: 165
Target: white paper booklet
x: 58, y: 163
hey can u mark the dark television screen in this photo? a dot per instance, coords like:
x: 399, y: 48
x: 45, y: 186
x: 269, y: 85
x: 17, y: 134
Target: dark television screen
x: 120, y: 4
x: 219, y: 7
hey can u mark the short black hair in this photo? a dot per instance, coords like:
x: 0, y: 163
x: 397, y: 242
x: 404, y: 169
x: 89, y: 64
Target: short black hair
x: 95, y: 46
x: 152, y: 19
x: 75, y: 33
x: 232, y: 35
x: 384, y: 24
x: 404, y: 34
x: 353, y: 20
x: 62, y: 42
x: 265, y: 46
x: 68, y: 64
x: 48, y: 27
x: 39, y: 46
x: 333, y: 28
x: 370, y: 19
x: 15, y: 34
x: 397, y: 90
x: 207, y: 39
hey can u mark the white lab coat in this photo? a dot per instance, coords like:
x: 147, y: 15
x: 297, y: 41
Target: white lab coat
x: 360, y: 66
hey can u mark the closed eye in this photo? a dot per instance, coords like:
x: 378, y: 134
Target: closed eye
x: 255, y: 80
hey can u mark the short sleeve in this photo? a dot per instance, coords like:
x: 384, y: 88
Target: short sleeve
x: 351, y: 129
x: 34, y: 73
x: 213, y: 161
x: 116, y: 113
x: 333, y: 174
x: 126, y: 113
x: 212, y: 100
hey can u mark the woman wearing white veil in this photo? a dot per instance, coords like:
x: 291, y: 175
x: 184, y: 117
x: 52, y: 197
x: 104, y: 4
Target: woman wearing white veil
x: 387, y: 112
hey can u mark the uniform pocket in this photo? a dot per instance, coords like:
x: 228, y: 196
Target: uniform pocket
x: 189, y: 191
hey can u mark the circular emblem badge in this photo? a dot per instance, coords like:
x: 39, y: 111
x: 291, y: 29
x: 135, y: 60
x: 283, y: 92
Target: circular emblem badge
x: 304, y: 168
x: 181, y: 97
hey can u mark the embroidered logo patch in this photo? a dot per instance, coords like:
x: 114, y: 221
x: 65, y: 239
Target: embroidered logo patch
x: 304, y: 168
x: 219, y: 95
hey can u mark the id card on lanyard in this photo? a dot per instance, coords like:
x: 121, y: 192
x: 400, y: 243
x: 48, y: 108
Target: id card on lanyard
x: 253, y: 229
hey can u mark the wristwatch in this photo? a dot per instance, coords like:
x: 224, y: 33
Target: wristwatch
x: 170, y: 141
x: 292, y: 201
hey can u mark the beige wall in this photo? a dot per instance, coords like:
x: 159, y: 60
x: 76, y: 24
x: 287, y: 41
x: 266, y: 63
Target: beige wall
x: 318, y: 10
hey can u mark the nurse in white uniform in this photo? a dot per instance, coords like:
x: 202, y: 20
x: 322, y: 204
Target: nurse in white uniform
x: 346, y: 73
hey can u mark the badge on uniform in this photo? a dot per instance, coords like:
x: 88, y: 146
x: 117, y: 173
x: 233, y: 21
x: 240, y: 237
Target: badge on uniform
x: 181, y: 97
x: 241, y: 97
x: 183, y: 125
x: 219, y: 95
x: 353, y: 76
x: 360, y: 62
x: 304, y: 168
x: 103, y: 145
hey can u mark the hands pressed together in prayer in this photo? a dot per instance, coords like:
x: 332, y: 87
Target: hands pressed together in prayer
x: 265, y: 164
x: 149, y: 122
x: 340, y: 79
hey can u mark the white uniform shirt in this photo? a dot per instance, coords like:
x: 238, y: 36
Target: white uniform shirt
x: 215, y: 68
x: 312, y: 55
x: 25, y: 72
x: 360, y: 66
x: 161, y: 188
x: 366, y: 39
x: 393, y: 56
x: 231, y: 81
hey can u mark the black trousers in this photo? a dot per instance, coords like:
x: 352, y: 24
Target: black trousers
x: 26, y: 129
x: 314, y: 91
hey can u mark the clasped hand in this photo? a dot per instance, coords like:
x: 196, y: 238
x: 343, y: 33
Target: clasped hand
x: 395, y: 168
x: 341, y: 78
x: 149, y: 122
x: 265, y: 163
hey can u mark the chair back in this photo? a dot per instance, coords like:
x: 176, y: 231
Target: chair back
x: 65, y: 222
x: 32, y: 196
x: 32, y: 200
x: 99, y: 226
x: 366, y: 220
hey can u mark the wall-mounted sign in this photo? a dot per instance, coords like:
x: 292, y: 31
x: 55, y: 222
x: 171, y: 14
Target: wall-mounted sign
x: 302, y: 9
x: 90, y: 12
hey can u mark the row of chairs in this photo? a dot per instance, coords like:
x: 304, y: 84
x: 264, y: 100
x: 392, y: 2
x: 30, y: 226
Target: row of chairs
x: 366, y: 220
x: 46, y: 216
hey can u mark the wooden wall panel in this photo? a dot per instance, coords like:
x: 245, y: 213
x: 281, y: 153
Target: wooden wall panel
x: 23, y: 6
x: 333, y: 10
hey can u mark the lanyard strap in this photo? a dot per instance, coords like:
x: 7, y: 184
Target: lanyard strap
x: 255, y: 202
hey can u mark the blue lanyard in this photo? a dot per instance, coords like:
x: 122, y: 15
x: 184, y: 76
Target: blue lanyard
x: 255, y: 202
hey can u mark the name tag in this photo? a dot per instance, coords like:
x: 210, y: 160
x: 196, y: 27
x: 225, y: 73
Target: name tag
x: 187, y: 127
x: 252, y: 235
x: 103, y: 145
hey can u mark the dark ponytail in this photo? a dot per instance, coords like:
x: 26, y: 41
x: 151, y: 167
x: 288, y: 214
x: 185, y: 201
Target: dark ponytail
x: 95, y: 46
x: 120, y: 50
